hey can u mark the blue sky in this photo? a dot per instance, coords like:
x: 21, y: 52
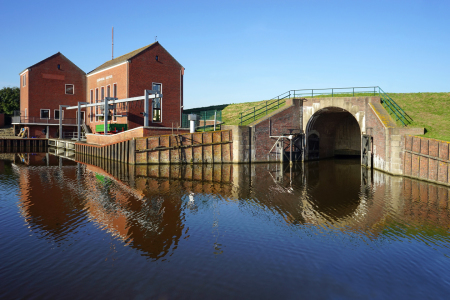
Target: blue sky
x: 239, y: 51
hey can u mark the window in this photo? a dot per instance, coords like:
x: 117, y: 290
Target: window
x: 70, y: 90
x: 115, y: 96
x: 156, y: 103
x: 91, y: 101
x: 103, y: 93
x: 45, y: 113
x: 157, y: 110
x: 24, y: 80
x: 56, y: 114
x: 26, y: 112
x: 108, y: 91
x: 96, y: 108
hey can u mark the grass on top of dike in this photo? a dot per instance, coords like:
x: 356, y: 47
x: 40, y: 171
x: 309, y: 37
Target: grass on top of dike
x: 428, y: 110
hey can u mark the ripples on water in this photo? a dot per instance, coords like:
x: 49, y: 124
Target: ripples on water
x: 322, y: 230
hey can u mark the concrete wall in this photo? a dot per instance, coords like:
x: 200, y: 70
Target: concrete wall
x: 100, y: 139
x: 354, y: 105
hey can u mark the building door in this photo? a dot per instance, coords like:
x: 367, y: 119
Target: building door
x: 83, y: 120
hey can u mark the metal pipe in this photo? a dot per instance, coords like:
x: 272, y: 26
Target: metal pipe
x: 146, y: 108
x: 290, y: 152
x: 79, y: 121
x: 151, y: 96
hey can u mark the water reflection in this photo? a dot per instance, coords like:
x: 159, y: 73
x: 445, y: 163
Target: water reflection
x: 145, y: 206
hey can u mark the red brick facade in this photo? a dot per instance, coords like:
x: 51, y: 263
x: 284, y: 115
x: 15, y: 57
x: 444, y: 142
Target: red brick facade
x: 144, y: 70
x: 43, y: 86
x: 134, y: 75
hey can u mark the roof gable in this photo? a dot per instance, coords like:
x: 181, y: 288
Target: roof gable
x: 49, y: 58
x: 121, y: 59
x: 128, y: 56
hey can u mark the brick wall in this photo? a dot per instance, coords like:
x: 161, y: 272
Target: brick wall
x: 427, y: 159
x: 117, y: 75
x: 253, y: 143
x: 145, y: 70
x: 287, y: 120
x: 46, y: 86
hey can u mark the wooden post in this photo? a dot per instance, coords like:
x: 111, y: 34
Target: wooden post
x: 132, y: 152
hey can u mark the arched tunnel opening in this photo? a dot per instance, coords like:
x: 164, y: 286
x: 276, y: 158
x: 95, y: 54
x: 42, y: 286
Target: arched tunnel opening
x: 333, y: 132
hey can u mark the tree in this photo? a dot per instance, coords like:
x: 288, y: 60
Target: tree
x: 9, y: 100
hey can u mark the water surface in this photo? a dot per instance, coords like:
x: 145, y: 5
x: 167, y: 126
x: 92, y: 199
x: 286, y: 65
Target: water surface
x: 95, y: 229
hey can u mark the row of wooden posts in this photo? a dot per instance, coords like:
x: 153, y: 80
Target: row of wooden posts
x: 122, y: 151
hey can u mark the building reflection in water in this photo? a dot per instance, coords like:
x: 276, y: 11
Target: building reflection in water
x: 145, y: 206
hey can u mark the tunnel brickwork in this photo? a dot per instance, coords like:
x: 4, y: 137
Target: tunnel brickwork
x: 338, y: 122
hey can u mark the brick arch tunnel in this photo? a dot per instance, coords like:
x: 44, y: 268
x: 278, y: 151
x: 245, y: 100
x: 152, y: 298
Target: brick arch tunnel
x: 332, y: 132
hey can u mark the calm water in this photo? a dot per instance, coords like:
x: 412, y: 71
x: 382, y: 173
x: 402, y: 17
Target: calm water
x: 324, y: 230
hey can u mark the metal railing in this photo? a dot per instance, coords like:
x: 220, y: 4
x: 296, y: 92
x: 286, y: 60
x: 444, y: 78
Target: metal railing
x: 394, y: 109
x: 262, y: 109
x: 73, y: 135
x: 39, y: 120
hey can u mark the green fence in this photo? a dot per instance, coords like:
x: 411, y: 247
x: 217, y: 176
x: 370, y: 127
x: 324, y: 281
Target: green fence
x: 205, y: 119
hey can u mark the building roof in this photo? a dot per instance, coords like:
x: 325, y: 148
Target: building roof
x: 125, y: 57
x: 121, y: 59
x: 48, y: 58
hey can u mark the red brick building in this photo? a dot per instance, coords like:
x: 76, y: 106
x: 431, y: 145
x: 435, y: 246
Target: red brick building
x: 45, y: 86
x: 150, y: 67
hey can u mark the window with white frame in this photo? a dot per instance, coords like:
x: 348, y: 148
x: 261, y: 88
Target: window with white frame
x: 108, y: 91
x: 24, y: 80
x: 70, y: 89
x: 26, y: 112
x: 91, y: 110
x: 56, y: 114
x: 156, y: 103
x: 45, y: 113
x: 96, y: 107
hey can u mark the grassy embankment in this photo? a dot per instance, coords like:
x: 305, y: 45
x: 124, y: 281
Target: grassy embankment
x: 429, y: 110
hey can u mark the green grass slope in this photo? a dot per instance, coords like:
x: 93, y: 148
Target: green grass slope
x: 429, y: 110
